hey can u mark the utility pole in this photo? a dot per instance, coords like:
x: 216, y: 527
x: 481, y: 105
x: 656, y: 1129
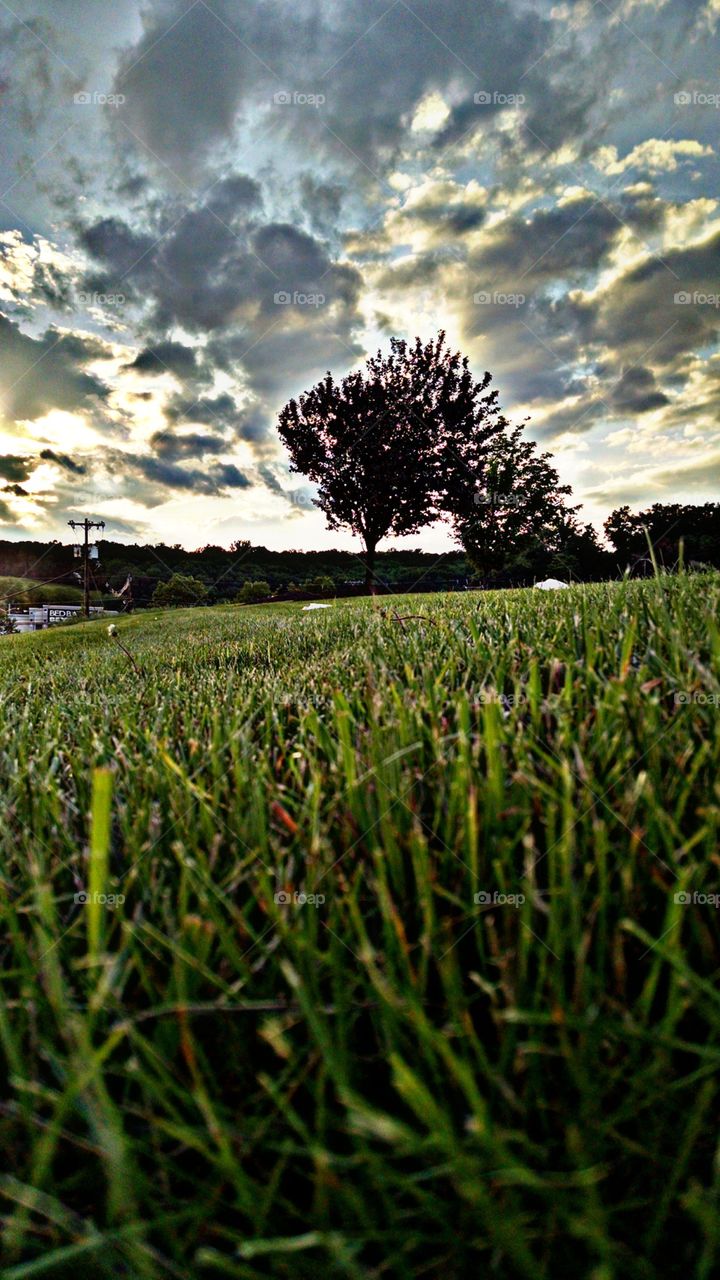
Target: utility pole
x: 86, y: 525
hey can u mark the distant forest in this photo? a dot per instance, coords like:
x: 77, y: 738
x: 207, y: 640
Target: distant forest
x: 224, y: 571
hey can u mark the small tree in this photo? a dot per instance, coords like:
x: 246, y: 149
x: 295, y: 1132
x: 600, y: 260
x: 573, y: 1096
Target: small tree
x: 371, y: 442
x: 253, y: 592
x: 180, y: 589
x: 504, y: 498
x: 8, y: 625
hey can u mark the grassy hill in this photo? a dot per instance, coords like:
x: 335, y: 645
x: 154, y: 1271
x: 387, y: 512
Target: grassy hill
x: 27, y: 591
x: 414, y: 972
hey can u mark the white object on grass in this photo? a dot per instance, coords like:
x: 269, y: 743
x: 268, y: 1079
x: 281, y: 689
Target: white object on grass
x: 307, y: 607
x: 550, y: 584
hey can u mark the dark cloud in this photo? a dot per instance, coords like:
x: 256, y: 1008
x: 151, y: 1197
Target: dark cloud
x: 172, y: 447
x: 209, y: 410
x: 162, y: 474
x: 559, y: 243
x: 39, y: 374
x: 251, y: 424
x: 16, y: 468
x: 62, y: 460
x: 638, y: 392
x: 204, y: 275
x: 665, y: 304
x: 111, y: 241
x: 165, y: 357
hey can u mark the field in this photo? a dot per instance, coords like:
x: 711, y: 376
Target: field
x: 415, y: 968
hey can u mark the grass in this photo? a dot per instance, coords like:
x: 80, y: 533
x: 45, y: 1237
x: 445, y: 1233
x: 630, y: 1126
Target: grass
x: 395, y: 1081
x: 30, y: 591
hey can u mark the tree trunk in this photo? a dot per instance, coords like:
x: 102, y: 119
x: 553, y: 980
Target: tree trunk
x: 370, y: 568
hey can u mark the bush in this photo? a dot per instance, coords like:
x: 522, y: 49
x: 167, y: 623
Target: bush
x: 180, y: 589
x: 252, y: 592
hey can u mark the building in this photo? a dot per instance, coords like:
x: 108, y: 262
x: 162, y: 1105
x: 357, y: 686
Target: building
x: 38, y: 617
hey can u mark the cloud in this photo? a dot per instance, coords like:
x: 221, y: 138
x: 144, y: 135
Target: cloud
x: 172, y: 447
x: 653, y: 154
x: 637, y: 391
x: 39, y: 374
x: 163, y: 474
x: 16, y: 468
x: 165, y: 357
x: 63, y: 461
x: 34, y: 272
x: 184, y: 80
x: 502, y: 148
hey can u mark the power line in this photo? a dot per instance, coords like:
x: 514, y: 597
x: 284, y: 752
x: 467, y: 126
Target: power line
x: 86, y: 525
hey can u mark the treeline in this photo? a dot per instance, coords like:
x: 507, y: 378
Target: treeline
x: 693, y: 531
x: 224, y: 571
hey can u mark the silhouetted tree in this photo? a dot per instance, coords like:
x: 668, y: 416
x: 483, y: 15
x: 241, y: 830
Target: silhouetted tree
x: 372, y: 442
x: 504, y: 498
x: 666, y: 525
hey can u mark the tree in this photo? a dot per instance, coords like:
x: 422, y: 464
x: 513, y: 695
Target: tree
x: 666, y: 525
x: 371, y: 443
x: 503, y: 497
x: 180, y: 589
x: 253, y: 592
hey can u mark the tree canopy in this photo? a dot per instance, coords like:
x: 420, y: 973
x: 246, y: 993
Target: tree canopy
x: 371, y: 443
x: 180, y: 589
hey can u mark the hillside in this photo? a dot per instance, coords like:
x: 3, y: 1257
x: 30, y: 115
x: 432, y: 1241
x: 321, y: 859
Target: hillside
x: 399, y: 957
x: 26, y: 591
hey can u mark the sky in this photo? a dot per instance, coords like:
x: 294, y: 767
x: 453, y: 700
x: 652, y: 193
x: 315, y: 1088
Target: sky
x: 207, y: 204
